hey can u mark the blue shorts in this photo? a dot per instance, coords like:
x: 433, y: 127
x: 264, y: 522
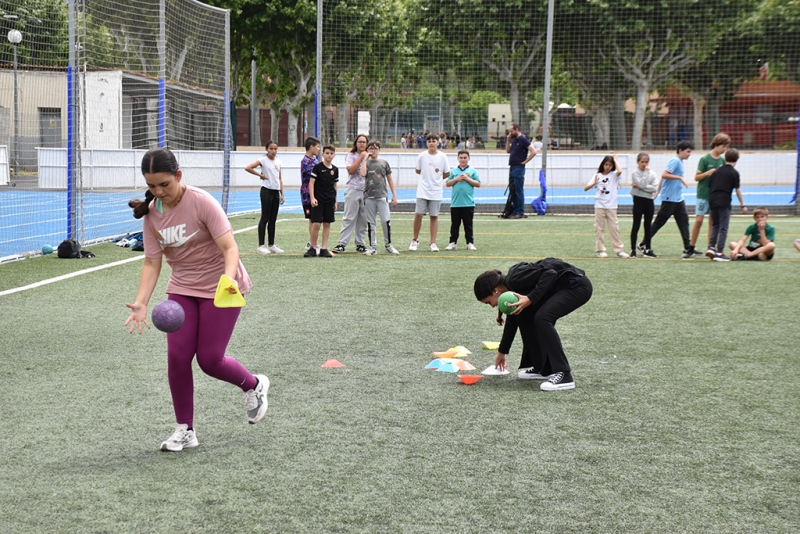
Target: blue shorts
x: 701, y: 207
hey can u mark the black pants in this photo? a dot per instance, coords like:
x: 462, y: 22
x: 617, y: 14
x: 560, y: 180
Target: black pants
x: 270, y: 200
x: 541, y: 345
x: 457, y: 216
x: 642, y: 208
x: 678, y: 210
x: 720, y: 220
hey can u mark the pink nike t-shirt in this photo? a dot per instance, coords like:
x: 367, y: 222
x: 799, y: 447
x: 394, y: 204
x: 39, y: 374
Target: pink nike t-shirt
x: 185, y: 235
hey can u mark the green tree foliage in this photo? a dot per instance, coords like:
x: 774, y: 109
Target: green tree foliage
x: 779, y: 18
x: 508, y: 42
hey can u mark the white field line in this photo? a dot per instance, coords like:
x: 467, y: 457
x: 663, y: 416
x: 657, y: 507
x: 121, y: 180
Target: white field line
x: 101, y: 267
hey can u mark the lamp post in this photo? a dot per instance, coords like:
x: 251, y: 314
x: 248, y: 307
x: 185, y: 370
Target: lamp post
x: 15, y: 37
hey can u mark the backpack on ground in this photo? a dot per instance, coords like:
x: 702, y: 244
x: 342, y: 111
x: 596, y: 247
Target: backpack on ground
x: 509, y: 207
x: 71, y: 248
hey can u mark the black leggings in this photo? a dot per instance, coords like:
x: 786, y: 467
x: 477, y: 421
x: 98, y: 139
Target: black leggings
x: 270, y: 200
x: 642, y: 207
x: 677, y: 210
x: 541, y: 345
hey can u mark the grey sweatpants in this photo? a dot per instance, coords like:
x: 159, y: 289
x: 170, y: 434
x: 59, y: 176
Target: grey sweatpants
x: 353, y: 218
x: 373, y: 206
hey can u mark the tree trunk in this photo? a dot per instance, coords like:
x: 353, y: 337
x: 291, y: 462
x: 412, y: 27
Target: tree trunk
x: 698, y: 102
x: 341, y: 123
x: 619, y: 138
x: 519, y: 114
x: 292, y: 134
x: 274, y: 123
x: 642, y: 100
x: 601, y: 127
x: 713, y: 125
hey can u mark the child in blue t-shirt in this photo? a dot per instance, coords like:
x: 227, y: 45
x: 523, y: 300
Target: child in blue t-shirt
x: 464, y: 179
x: 672, y: 203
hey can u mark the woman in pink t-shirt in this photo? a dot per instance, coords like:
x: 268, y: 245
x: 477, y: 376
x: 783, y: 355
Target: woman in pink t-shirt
x: 188, y: 227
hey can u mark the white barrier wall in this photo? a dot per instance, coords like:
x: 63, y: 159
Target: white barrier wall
x: 5, y: 172
x: 108, y: 169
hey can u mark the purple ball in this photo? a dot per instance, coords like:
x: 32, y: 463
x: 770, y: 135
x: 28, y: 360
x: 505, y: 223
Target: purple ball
x: 168, y: 316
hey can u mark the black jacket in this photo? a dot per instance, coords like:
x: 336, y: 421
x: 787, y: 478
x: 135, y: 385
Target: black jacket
x: 538, y: 281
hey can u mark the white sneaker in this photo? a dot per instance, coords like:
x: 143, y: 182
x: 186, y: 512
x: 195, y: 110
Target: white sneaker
x: 256, y: 400
x: 558, y: 382
x: 470, y: 246
x: 263, y: 250
x: 391, y: 250
x: 434, y: 248
x: 275, y: 249
x: 622, y: 254
x: 530, y: 374
x: 370, y: 252
x: 602, y: 255
x: 451, y: 246
x: 414, y: 245
x: 182, y: 438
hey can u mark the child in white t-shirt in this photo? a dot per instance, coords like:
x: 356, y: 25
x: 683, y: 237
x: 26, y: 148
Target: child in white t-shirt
x: 605, y: 206
x: 433, y: 169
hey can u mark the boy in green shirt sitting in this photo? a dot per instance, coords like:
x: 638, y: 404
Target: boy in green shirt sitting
x: 761, y: 235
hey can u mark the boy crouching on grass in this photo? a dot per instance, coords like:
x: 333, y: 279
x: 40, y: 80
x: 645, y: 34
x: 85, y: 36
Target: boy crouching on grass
x: 762, y: 239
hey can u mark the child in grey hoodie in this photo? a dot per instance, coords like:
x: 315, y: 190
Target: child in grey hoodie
x: 644, y: 185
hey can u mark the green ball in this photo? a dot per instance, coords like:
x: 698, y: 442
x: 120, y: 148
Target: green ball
x: 504, y: 300
x: 47, y: 249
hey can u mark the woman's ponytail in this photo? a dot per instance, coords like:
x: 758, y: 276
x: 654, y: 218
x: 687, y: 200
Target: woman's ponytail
x: 141, y: 208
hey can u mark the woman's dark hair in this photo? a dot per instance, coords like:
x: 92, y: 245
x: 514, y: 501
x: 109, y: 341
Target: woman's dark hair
x: 601, y: 170
x: 487, y: 282
x: 270, y: 142
x: 355, y: 143
x: 154, y: 161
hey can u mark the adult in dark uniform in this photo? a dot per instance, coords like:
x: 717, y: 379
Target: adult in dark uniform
x: 548, y: 290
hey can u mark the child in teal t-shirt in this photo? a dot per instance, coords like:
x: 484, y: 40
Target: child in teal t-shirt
x: 463, y: 179
x: 760, y: 237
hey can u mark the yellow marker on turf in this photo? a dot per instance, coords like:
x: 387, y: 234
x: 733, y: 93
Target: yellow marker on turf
x: 224, y: 298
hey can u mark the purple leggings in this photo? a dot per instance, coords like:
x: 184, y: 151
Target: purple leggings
x: 205, y: 332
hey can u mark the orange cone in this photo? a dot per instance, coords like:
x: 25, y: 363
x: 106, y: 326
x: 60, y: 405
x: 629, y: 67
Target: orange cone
x: 332, y: 363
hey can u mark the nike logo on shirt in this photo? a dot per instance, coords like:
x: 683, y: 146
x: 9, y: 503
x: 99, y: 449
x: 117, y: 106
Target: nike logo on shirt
x: 174, y: 236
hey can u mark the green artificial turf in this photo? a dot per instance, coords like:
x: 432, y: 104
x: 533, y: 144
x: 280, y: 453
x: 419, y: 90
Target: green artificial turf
x: 684, y: 419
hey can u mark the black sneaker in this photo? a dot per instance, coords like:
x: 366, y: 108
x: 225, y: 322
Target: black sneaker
x: 338, y: 249
x: 696, y: 252
x: 516, y: 216
x: 310, y: 253
x: 641, y: 247
x: 558, y: 382
x: 649, y: 253
x: 359, y: 248
x: 710, y: 253
x: 721, y: 257
x: 324, y: 253
x: 739, y: 257
x: 632, y: 254
x: 687, y: 253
